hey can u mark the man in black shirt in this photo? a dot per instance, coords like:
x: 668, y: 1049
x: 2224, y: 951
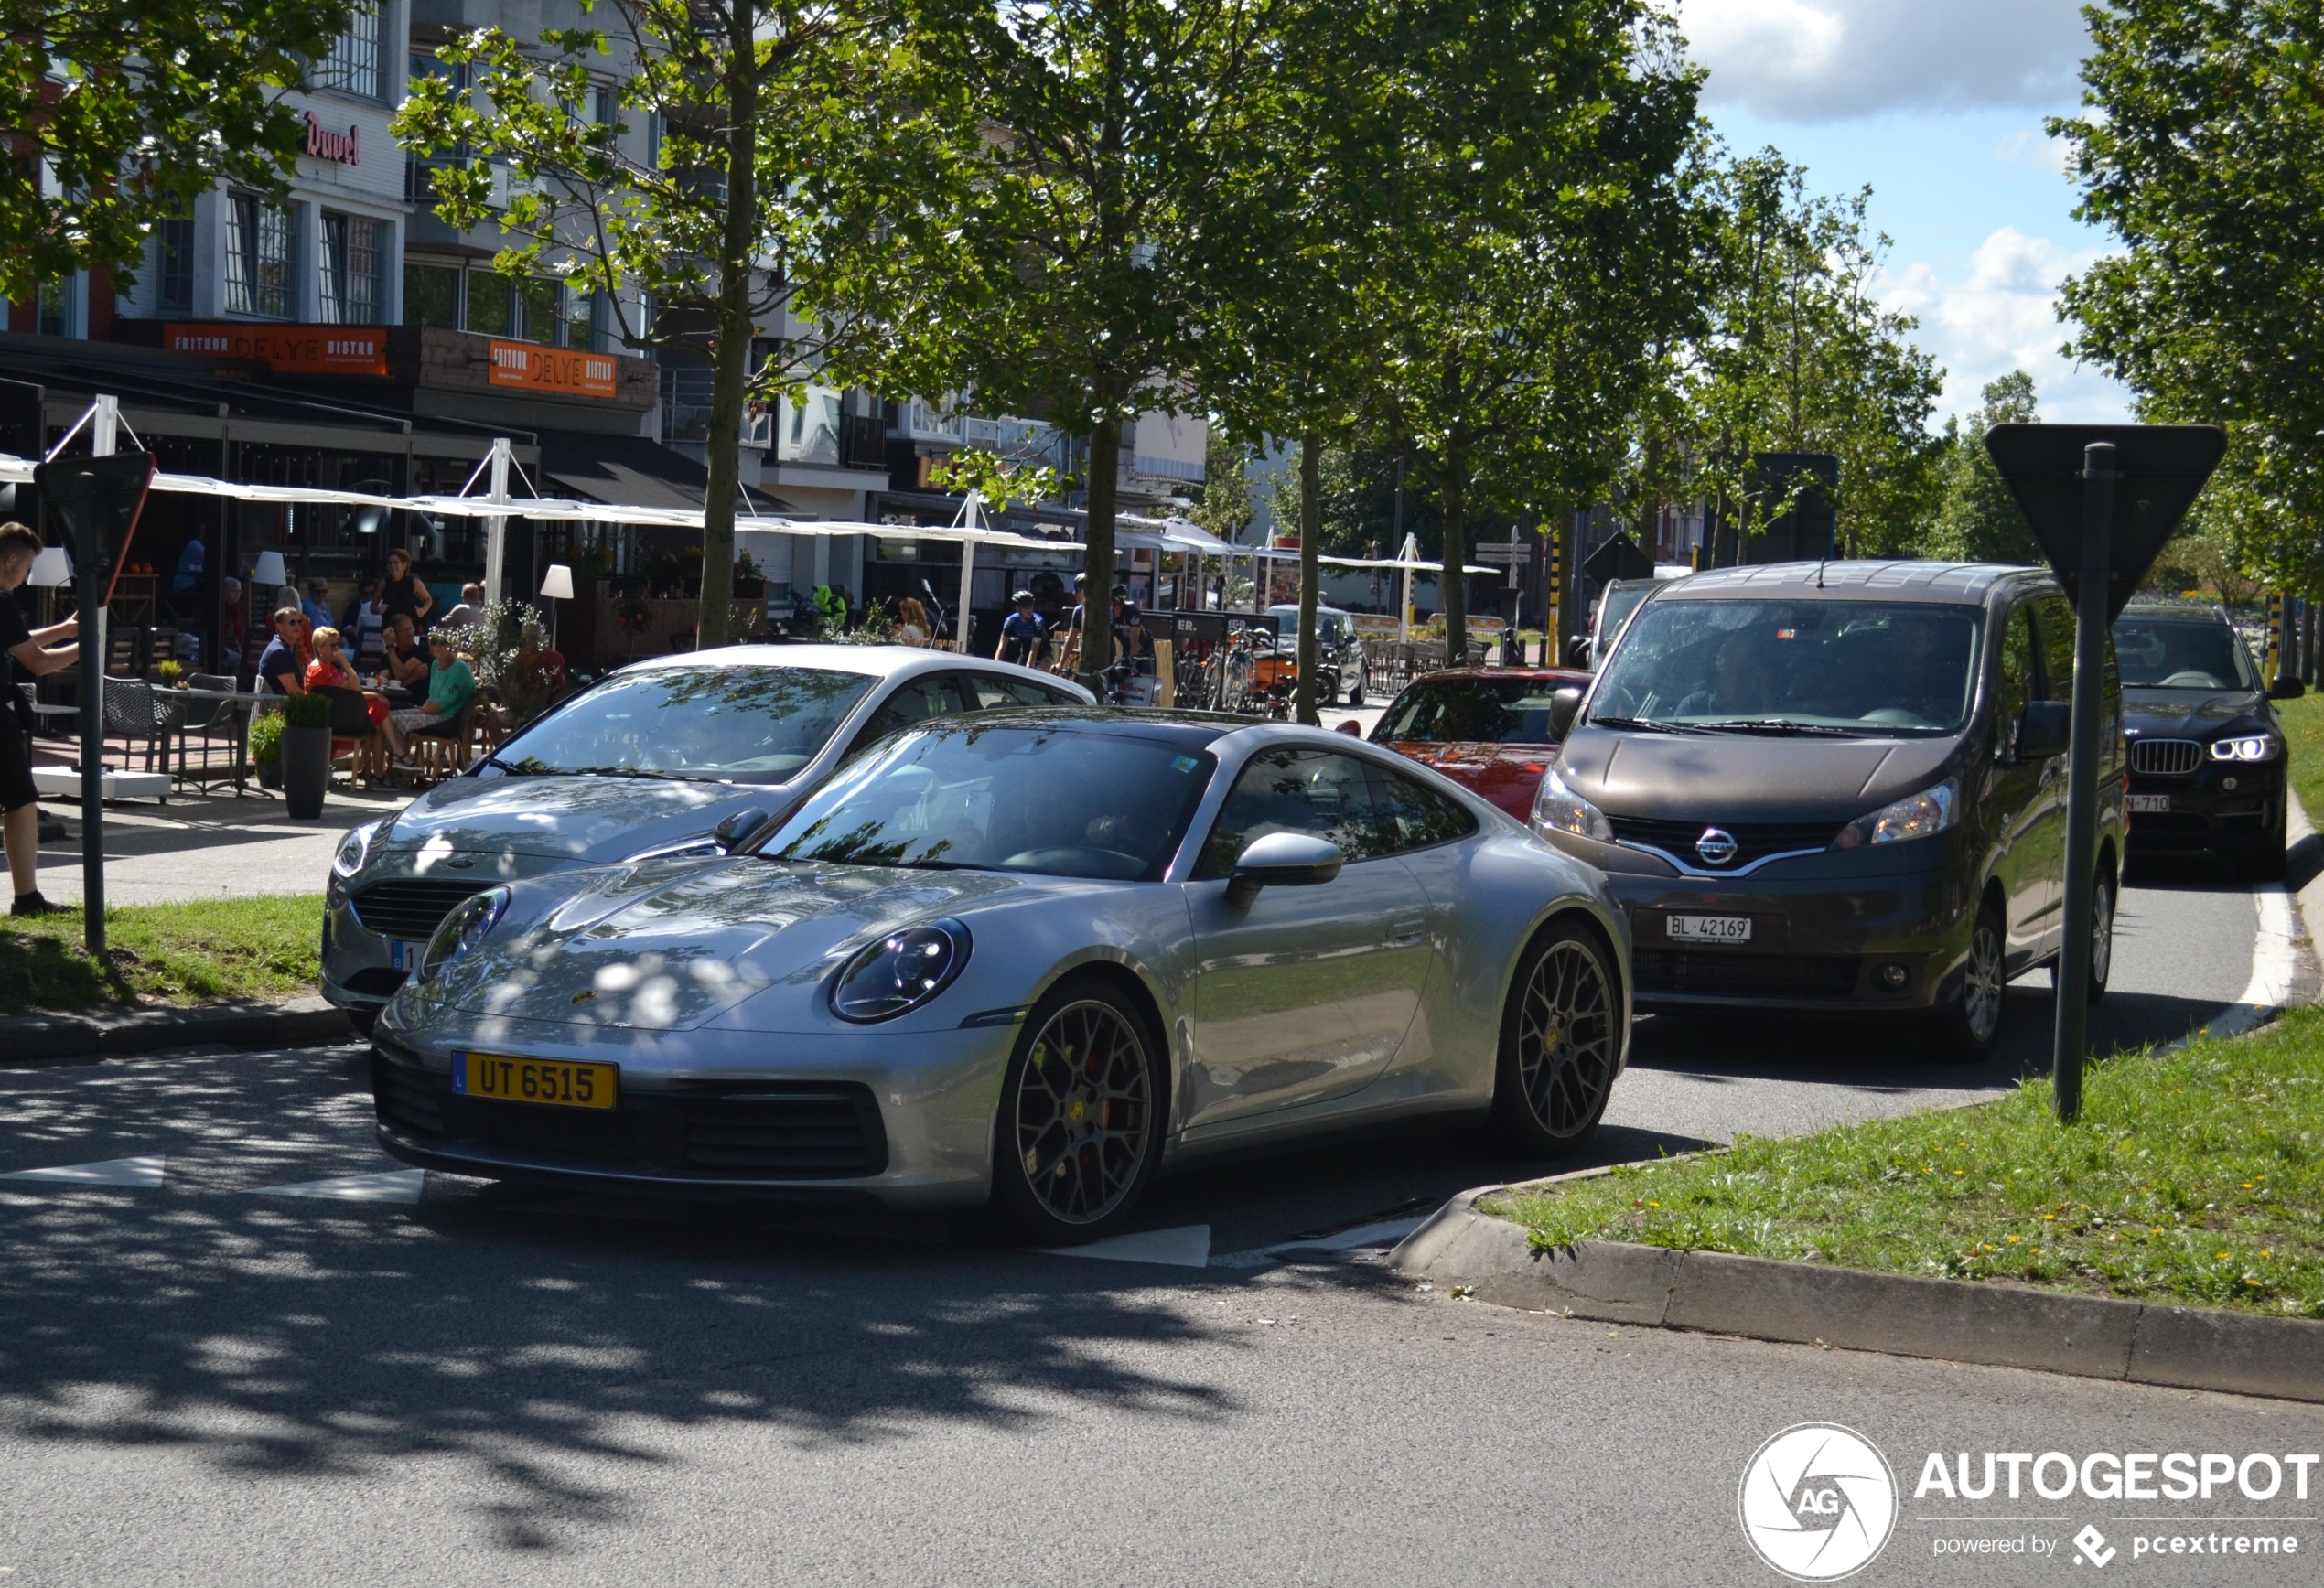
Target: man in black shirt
x: 403, y: 591
x: 37, y: 651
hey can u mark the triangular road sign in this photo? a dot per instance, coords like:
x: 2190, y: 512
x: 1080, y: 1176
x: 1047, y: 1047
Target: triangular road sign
x: 1618, y: 558
x: 2159, y: 470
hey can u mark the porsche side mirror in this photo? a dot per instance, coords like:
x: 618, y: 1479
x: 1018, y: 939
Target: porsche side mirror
x: 1565, y: 705
x: 739, y: 828
x: 1281, y: 860
x: 2044, y: 729
x: 2287, y: 687
x: 1350, y: 727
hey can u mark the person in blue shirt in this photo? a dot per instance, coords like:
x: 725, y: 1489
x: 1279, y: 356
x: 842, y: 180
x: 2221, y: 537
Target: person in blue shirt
x: 190, y: 565
x: 316, y: 604
x: 1025, y: 636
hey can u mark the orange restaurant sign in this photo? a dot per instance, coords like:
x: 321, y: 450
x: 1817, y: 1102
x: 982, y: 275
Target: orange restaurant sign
x: 289, y: 349
x: 558, y: 372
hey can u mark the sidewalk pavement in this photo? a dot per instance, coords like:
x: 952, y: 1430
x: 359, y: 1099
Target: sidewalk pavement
x: 200, y: 846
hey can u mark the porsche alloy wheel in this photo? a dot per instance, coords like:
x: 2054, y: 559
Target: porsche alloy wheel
x: 1560, y: 1042
x: 1080, y: 1118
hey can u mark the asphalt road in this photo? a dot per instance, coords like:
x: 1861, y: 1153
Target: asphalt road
x: 424, y: 1380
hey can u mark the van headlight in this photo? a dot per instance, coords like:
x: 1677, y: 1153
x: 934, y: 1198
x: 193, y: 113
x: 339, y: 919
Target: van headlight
x: 1923, y: 815
x: 1557, y: 809
x: 471, y: 920
x: 901, y: 972
x: 2248, y: 747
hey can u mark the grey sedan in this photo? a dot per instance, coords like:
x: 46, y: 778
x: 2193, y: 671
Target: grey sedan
x: 1028, y: 957
x: 682, y: 755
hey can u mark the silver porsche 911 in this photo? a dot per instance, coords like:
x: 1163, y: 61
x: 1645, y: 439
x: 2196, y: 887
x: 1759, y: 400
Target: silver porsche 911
x: 1029, y: 956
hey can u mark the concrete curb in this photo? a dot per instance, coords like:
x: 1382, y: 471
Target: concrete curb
x: 35, y: 1039
x: 1808, y: 1304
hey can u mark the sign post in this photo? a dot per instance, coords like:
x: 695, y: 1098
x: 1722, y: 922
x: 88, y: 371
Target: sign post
x: 99, y: 500
x: 2101, y: 501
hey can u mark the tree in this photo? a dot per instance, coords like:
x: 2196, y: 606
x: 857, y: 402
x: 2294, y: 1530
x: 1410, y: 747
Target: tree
x: 124, y: 114
x: 1799, y: 356
x: 786, y: 174
x: 2198, y: 150
x: 1977, y: 520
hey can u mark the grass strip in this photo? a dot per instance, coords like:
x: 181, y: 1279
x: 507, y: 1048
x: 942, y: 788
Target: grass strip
x: 198, y: 952
x: 2303, y: 722
x: 2195, y: 1176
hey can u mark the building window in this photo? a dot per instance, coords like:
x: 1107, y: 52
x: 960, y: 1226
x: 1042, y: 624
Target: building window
x: 258, y: 258
x: 432, y: 295
x: 584, y: 312
x: 353, y: 64
x: 58, y: 307
x: 487, y: 306
x: 353, y: 254
x: 543, y: 310
x: 174, y: 265
x: 419, y: 186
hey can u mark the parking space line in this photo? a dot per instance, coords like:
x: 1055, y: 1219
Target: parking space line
x: 144, y: 1173
x: 392, y: 1185
x: 1187, y: 1246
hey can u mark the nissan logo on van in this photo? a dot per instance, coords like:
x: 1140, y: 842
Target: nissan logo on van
x: 1716, y: 846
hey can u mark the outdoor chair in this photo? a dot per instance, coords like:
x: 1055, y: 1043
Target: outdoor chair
x: 444, y: 751
x: 354, y: 739
x: 134, y: 713
x: 209, y: 724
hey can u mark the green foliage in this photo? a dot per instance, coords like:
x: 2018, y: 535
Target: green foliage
x: 306, y: 711
x: 1977, y: 520
x: 206, y: 950
x: 266, y: 738
x: 504, y: 645
x: 2198, y: 150
x: 2192, y: 1176
x: 1222, y: 504
x: 996, y: 480
x: 132, y: 111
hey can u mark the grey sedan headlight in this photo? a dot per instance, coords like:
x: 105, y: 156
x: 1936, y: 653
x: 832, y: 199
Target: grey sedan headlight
x: 354, y: 850
x: 465, y: 927
x: 2248, y: 747
x: 901, y: 972
x: 1558, y: 807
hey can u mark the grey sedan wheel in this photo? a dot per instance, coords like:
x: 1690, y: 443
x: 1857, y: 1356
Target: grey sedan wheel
x: 1560, y: 1042
x: 1080, y: 1127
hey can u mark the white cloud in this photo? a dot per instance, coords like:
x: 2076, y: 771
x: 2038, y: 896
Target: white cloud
x: 1821, y: 60
x: 2002, y: 316
x: 2036, y: 150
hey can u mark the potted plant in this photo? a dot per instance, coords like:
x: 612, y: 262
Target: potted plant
x: 266, y: 749
x: 170, y: 674
x: 751, y: 579
x: 306, y: 755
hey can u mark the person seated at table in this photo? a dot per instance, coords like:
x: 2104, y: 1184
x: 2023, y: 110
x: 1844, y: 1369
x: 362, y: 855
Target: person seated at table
x: 450, y: 687
x: 331, y: 669
x: 406, y: 657
x: 470, y: 610
x: 911, y: 622
x: 282, y: 666
x: 316, y: 603
x: 39, y: 651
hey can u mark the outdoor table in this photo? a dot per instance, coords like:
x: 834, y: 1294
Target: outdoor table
x: 241, y: 741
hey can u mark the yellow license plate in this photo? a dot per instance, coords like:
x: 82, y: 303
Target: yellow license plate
x: 502, y: 1078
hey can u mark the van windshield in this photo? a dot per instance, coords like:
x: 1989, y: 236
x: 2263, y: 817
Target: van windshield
x: 1807, y: 667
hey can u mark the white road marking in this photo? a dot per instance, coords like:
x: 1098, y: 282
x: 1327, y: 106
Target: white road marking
x: 142, y: 1173
x: 1187, y: 1246
x: 403, y: 1186
x: 1385, y: 1233
x: 2275, y: 958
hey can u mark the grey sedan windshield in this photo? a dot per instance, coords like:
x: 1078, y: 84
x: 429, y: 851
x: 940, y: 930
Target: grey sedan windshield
x: 1806, y: 665
x: 734, y: 724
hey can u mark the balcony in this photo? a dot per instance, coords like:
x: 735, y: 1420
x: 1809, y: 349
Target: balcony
x: 685, y: 411
x: 863, y: 442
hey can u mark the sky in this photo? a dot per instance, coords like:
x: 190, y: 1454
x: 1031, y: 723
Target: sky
x: 1939, y: 108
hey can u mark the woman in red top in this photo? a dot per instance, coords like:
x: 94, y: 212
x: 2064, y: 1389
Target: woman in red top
x: 331, y: 669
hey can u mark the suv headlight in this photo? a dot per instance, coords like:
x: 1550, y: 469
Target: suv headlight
x: 1558, y: 809
x: 2250, y: 747
x: 901, y: 972
x: 1923, y: 815
x: 470, y: 920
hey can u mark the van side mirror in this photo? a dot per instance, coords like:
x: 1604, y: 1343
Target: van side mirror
x: 1281, y: 860
x: 2287, y: 687
x: 2044, y: 729
x: 1565, y: 705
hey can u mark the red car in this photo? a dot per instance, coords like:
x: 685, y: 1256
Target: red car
x: 1486, y: 729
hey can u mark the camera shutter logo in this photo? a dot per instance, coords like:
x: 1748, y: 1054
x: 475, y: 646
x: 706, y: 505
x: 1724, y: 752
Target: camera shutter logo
x: 1817, y: 1502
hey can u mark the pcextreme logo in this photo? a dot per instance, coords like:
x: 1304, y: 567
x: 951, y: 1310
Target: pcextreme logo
x: 1817, y: 1502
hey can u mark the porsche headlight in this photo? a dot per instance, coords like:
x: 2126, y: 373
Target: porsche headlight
x: 1558, y: 809
x: 2248, y: 747
x: 899, y: 972
x: 354, y: 850
x: 1922, y: 815
x: 465, y: 927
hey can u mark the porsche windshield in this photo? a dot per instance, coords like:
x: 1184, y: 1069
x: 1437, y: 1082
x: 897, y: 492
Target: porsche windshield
x: 1793, y: 667
x: 2167, y: 654
x: 741, y: 724
x: 1000, y: 796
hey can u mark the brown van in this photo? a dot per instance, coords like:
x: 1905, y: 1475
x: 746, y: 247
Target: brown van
x: 1838, y: 788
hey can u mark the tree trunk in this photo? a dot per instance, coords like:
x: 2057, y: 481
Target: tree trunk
x: 1452, y: 595
x: 1097, y: 562
x: 1310, y: 534
x: 730, y: 355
